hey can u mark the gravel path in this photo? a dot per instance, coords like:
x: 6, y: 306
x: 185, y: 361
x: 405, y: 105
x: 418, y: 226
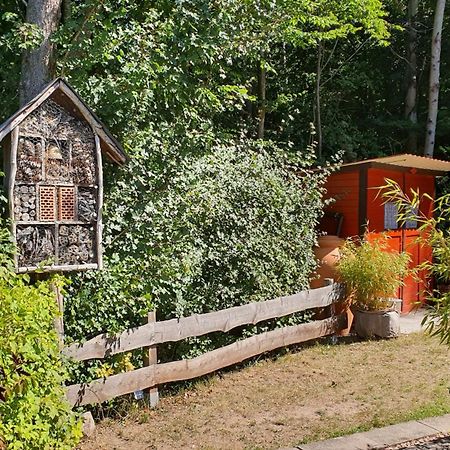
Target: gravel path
x: 436, y: 442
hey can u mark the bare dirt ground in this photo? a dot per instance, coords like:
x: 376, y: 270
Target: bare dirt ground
x: 313, y: 393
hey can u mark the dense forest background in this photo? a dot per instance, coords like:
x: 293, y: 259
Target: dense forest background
x: 219, y: 103
x: 227, y: 66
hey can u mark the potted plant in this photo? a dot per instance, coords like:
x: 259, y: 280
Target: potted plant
x: 372, y: 274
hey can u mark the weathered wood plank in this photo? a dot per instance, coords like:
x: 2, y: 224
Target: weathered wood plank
x: 11, y: 180
x: 200, y: 324
x: 75, y: 267
x: 150, y: 359
x: 102, y: 390
x: 99, y: 227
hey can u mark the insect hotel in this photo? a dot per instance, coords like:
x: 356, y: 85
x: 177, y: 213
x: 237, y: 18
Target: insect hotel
x: 52, y: 156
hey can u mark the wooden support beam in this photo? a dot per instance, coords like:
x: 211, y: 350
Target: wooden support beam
x: 10, y: 189
x: 99, y: 226
x: 59, y: 321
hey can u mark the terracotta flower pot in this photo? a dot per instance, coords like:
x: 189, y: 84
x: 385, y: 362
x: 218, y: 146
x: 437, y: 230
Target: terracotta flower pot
x: 328, y: 255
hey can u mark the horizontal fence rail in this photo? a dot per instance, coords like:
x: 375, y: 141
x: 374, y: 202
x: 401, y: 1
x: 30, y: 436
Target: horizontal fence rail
x: 200, y: 324
x: 104, y: 389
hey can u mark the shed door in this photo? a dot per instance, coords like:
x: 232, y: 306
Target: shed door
x: 396, y: 244
x: 402, y: 239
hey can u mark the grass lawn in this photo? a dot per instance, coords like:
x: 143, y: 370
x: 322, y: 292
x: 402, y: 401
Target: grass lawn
x: 311, y: 393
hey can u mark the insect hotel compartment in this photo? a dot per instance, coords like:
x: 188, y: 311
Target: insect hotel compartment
x: 66, y: 203
x: 87, y: 204
x: 47, y: 203
x: 36, y: 244
x: 29, y: 164
x: 25, y: 203
x: 76, y: 244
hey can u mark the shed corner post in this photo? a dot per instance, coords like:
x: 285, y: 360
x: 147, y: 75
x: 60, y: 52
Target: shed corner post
x: 362, y: 201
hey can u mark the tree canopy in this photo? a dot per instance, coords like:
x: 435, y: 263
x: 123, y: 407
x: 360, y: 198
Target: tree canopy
x: 194, y: 64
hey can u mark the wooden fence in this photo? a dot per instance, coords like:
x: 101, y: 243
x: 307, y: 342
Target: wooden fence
x: 154, y: 333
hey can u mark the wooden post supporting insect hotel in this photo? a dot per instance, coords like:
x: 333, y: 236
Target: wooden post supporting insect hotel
x: 52, y: 152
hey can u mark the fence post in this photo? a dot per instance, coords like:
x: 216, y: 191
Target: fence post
x: 151, y: 357
x: 329, y: 282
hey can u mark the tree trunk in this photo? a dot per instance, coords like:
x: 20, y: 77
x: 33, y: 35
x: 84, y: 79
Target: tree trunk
x: 261, y: 100
x: 318, y: 101
x: 411, y: 94
x: 38, y: 64
x: 433, y: 97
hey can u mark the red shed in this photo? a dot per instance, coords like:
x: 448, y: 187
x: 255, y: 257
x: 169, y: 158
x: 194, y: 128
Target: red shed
x: 357, y: 206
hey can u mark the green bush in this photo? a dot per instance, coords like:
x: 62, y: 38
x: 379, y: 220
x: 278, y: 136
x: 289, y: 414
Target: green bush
x: 34, y: 414
x: 371, y: 272
x: 195, y: 232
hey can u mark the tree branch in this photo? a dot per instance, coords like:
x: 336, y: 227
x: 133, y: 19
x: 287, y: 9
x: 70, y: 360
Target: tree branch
x: 341, y: 66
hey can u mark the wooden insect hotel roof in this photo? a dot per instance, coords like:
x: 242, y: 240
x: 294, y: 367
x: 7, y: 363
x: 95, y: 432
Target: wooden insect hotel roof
x: 63, y: 94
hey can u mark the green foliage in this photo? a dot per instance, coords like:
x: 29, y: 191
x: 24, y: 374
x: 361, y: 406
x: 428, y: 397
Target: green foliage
x: 192, y: 234
x: 33, y: 411
x: 34, y: 414
x: 433, y: 232
x: 193, y: 64
x: 21, y: 36
x: 372, y: 274
x: 202, y: 218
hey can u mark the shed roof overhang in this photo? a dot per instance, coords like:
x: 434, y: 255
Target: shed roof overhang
x: 63, y: 94
x: 404, y: 161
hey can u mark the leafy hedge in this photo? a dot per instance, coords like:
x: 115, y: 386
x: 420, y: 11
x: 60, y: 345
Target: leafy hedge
x: 190, y: 233
x: 33, y: 412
